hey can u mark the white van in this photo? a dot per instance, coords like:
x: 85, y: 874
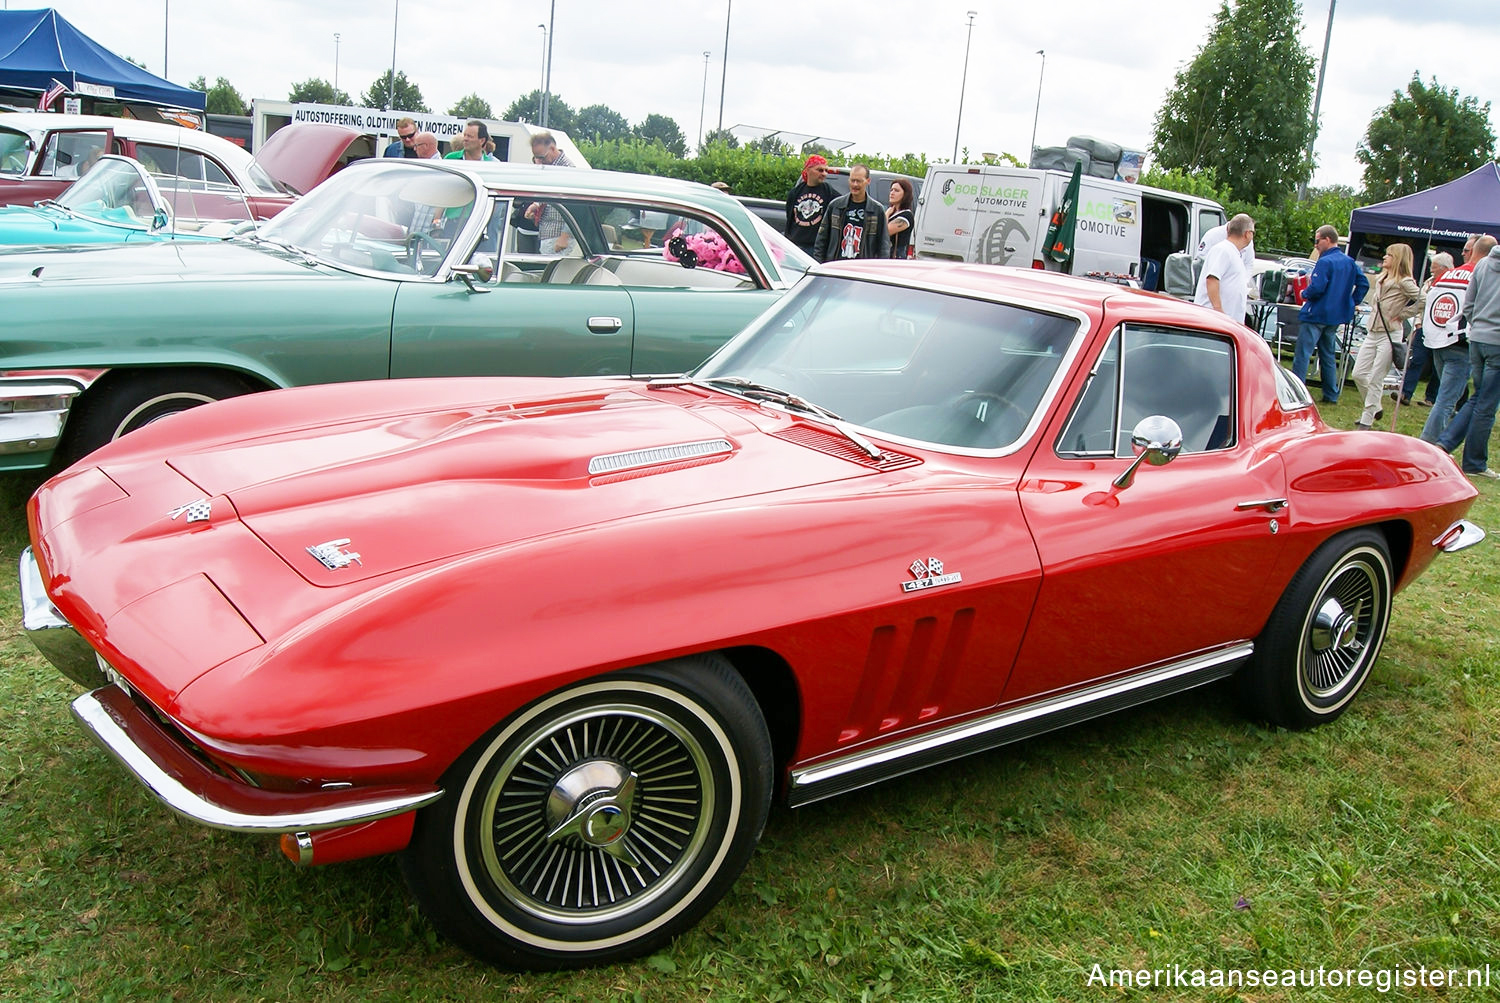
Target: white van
x: 999, y: 216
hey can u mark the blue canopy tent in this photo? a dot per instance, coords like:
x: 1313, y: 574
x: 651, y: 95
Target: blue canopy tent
x: 39, y: 47
x: 1443, y: 216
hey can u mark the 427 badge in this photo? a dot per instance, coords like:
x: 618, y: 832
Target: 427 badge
x: 929, y: 574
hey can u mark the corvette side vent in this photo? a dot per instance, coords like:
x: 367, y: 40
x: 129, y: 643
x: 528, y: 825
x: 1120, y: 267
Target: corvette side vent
x: 834, y: 444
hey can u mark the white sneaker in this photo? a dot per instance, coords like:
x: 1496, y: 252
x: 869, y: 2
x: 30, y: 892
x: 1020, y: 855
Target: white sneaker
x: 1486, y: 473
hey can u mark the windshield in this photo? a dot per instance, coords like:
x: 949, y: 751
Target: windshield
x: 112, y: 191
x: 792, y: 260
x: 914, y: 364
x: 396, y: 218
x: 14, y: 151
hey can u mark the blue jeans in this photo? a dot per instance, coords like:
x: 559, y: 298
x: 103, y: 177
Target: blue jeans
x: 1474, y: 423
x: 1415, y: 367
x: 1325, y: 339
x: 1450, y: 367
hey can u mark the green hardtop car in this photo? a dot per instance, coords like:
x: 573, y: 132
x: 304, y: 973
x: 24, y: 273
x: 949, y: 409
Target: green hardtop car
x: 391, y: 268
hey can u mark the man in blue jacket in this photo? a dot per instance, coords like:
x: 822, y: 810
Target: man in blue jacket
x: 1337, y: 286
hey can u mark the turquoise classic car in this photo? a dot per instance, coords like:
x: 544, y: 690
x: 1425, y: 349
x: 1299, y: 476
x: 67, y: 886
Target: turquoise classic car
x: 390, y: 268
x: 115, y: 202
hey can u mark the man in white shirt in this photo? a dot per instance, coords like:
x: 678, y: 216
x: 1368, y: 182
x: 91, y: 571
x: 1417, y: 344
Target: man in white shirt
x: 1222, y: 285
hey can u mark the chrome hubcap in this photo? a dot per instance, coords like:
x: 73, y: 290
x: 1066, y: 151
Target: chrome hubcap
x: 1333, y: 627
x: 597, y: 814
x: 1341, y: 629
x: 594, y: 802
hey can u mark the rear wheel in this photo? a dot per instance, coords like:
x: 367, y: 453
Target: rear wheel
x: 600, y: 821
x: 134, y: 400
x: 1324, y: 635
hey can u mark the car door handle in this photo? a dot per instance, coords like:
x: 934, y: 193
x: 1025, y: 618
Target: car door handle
x: 605, y: 325
x: 1269, y: 504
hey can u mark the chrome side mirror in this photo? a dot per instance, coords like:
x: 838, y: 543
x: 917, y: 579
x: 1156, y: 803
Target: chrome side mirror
x: 480, y: 267
x: 1157, y: 440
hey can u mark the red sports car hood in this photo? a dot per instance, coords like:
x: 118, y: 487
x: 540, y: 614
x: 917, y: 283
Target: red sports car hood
x: 418, y: 487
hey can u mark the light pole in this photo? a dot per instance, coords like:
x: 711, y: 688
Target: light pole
x: 703, y: 101
x: 724, y: 76
x: 336, y: 37
x: 390, y: 98
x: 1312, y: 140
x: 1037, y: 114
x: 963, y: 86
x: 166, y: 16
x: 543, y: 82
x: 547, y: 76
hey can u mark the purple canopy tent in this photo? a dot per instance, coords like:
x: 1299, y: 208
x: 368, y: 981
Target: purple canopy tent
x: 1444, y: 215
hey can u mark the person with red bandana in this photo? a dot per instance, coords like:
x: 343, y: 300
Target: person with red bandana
x: 807, y: 203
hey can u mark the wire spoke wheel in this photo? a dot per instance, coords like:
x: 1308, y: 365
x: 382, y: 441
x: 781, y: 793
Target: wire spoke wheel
x: 600, y: 821
x: 1323, y: 637
x: 597, y: 812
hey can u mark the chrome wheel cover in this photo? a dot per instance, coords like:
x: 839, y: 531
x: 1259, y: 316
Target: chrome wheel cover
x: 1343, y: 628
x: 595, y: 814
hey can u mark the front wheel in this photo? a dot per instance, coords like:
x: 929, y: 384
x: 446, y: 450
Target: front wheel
x: 1324, y: 635
x: 132, y: 400
x: 600, y: 821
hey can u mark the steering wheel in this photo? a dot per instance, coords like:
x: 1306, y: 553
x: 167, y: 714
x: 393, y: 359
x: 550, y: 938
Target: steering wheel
x: 413, y: 250
x: 1001, y: 418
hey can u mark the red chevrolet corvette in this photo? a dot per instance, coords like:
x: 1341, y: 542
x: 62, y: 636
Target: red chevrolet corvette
x: 561, y: 642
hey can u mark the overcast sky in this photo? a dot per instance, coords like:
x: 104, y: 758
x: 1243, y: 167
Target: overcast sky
x: 883, y: 75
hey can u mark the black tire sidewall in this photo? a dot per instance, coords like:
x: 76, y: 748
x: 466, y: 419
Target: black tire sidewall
x: 1275, y: 682
x: 130, y: 401
x: 446, y: 874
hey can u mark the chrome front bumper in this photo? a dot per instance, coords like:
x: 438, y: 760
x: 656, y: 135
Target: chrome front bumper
x: 56, y: 638
x: 33, y: 411
x: 159, y: 758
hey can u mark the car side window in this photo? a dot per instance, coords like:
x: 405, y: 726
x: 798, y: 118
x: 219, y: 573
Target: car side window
x: 627, y: 243
x: 71, y: 154
x: 1187, y: 376
x: 175, y: 162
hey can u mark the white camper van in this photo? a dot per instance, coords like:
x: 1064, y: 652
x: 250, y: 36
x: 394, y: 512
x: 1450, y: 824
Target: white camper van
x: 999, y: 216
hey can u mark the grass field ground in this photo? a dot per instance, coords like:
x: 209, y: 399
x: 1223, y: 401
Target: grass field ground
x: 1175, y: 835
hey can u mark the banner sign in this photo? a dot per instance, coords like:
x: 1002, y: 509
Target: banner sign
x: 376, y: 120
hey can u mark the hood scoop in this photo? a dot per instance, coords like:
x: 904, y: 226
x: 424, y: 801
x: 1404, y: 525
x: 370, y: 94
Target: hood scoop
x: 614, y: 463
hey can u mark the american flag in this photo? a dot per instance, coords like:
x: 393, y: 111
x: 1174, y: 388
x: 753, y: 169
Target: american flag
x: 51, y: 94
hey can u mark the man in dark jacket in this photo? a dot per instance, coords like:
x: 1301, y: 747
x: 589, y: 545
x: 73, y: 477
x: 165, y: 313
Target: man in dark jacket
x: 1336, y: 287
x: 854, y: 225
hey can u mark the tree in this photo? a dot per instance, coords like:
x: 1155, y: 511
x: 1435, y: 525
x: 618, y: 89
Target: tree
x: 664, y: 130
x: 528, y: 108
x: 721, y: 136
x: 471, y: 106
x: 316, y: 90
x: 408, y: 94
x: 1242, y: 106
x: 222, y: 98
x: 1424, y: 137
x: 600, y: 123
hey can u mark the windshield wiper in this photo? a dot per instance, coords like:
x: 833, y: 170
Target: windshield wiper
x: 257, y: 237
x: 760, y: 391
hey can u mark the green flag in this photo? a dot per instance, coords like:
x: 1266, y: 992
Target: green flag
x: 1059, y: 244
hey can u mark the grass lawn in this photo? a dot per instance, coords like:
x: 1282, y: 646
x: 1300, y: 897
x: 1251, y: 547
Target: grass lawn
x: 1174, y: 835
